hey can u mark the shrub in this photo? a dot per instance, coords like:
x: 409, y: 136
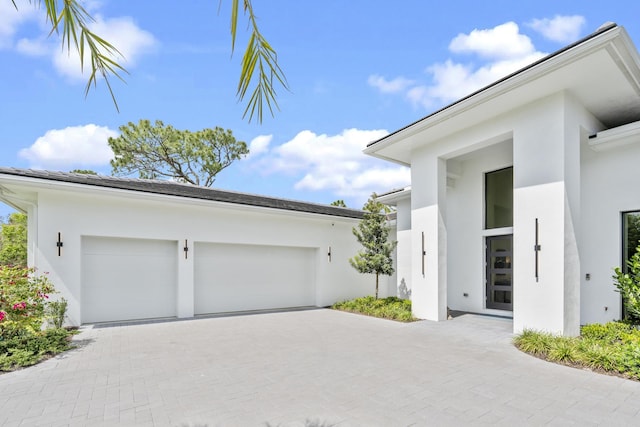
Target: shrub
x: 628, y: 284
x: 27, y: 349
x: 536, y: 343
x: 23, y: 296
x: 57, y: 312
x: 610, y: 332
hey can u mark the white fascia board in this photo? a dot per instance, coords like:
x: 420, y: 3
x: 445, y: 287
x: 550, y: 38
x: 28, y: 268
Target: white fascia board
x: 393, y: 198
x: 42, y: 184
x: 509, y: 83
x: 615, y: 137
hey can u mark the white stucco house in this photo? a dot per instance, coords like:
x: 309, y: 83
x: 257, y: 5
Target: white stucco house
x: 121, y: 249
x: 521, y: 193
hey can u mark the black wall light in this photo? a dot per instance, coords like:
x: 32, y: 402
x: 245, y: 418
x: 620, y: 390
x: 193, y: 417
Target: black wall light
x: 185, y: 249
x: 59, y: 244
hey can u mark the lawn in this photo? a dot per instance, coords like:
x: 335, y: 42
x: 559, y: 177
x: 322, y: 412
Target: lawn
x: 391, y: 308
x: 612, y: 348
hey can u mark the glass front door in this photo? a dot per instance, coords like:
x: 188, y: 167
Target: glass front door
x: 499, y: 272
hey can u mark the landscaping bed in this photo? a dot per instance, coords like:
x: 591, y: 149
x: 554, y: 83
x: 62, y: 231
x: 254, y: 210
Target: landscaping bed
x: 612, y: 348
x: 391, y: 308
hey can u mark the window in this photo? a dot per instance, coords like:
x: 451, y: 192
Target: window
x: 630, y: 236
x: 499, y: 198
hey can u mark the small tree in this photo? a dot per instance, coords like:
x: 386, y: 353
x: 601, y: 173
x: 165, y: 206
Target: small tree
x: 13, y: 240
x: 628, y: 284
x: 373, y: 234
x: 339, y: 203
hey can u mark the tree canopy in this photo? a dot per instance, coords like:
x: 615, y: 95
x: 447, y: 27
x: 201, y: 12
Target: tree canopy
x: 13, y: 240
x: 373, y: 234
x: 339, y: 203
x: 162, y: 151
x: 71, y: 21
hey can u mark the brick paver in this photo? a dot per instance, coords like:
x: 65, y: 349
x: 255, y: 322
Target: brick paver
x: 309, y: 368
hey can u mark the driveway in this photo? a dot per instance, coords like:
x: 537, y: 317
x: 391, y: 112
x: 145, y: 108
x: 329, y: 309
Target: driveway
x: 310, y: 368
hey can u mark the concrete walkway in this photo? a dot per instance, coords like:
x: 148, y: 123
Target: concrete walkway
x: 315, y: 368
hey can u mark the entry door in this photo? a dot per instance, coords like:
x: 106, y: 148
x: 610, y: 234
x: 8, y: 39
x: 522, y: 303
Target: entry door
x: 499, y: 272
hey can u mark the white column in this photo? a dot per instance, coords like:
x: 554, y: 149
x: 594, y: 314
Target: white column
x: 546, y: 187
x: 429, y: 241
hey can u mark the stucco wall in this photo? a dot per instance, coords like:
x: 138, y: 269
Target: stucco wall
x: 465, y: 225
x: 610, y: 181
x: 78, y: 212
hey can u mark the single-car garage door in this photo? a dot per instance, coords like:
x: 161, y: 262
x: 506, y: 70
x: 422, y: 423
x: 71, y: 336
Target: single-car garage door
x: 124, y: 279
x: 230, y: 277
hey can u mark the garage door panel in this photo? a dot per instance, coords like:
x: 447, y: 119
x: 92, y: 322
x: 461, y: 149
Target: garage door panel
x: 124, y: 279
x: 251, y: 277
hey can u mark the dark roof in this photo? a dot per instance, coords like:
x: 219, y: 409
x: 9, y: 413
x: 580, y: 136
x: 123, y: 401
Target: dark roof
x: 604, y: 28
x: 189, y: 191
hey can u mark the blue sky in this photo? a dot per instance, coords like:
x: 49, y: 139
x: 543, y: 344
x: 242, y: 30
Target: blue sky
x: 357, y: 70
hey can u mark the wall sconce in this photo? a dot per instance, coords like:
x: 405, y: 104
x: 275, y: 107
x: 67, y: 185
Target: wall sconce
x: 185, y: 249
x: 59, y: 244
x: 537, y: 249
x: 329, y: 254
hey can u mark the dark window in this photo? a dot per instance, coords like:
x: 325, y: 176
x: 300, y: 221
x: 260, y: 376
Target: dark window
x: 499, y: 198
x: 630, y: 236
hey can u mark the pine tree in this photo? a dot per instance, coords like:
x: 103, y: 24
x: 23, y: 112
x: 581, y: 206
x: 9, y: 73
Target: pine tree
x: 373, y: 234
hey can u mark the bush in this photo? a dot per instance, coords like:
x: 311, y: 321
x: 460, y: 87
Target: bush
x: 57, y: 312
x: 23, y: 307
x: 628, y: 284
x: 392, y: 308
x: 26, y: 349
x: 23, y: 296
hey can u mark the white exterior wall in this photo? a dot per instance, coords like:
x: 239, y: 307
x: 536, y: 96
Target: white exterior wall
x: 112, y: 213
x: 465, y: 227
x: 545, y: 155
x: 610, y: 182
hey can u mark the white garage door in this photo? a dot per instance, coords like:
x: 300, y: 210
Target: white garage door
x: 124, y: 279
x: 252, y: 277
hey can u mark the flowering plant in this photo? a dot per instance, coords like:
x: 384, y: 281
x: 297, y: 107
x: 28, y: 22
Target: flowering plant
x: 23, y: 295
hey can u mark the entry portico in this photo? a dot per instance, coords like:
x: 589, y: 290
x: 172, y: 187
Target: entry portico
x: 498, y: 180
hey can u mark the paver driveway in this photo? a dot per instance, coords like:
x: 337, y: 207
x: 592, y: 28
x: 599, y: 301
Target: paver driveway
x: 310, y: 368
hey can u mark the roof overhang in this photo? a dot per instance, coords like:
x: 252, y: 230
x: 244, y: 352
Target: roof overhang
x: 19, y: 188
x: 602, y: 71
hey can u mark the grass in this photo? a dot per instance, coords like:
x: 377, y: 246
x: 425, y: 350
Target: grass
x: 27, y: 349
x: 391, y: 308
x: 612, y: 348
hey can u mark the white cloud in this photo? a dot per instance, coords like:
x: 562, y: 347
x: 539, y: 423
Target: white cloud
x: 11, y: 19
x: 130, y: 40
x: 562, y: 29
x: 502, y: 50
x: 334, y: 163
x: 33, y: 47
x: 83, y: 146
x: 259, y: 145
x: 399, y: 84
x: 503, y: 41
x: 123, y: 33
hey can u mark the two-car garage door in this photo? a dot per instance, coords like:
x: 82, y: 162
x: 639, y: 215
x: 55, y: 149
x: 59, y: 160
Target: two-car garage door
x: 125, y: 279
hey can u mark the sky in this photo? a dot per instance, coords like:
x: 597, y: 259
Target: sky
x: 357, y: 70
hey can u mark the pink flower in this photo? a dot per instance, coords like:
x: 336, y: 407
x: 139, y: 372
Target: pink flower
x: 20, y: 306
x: 2, y: 315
